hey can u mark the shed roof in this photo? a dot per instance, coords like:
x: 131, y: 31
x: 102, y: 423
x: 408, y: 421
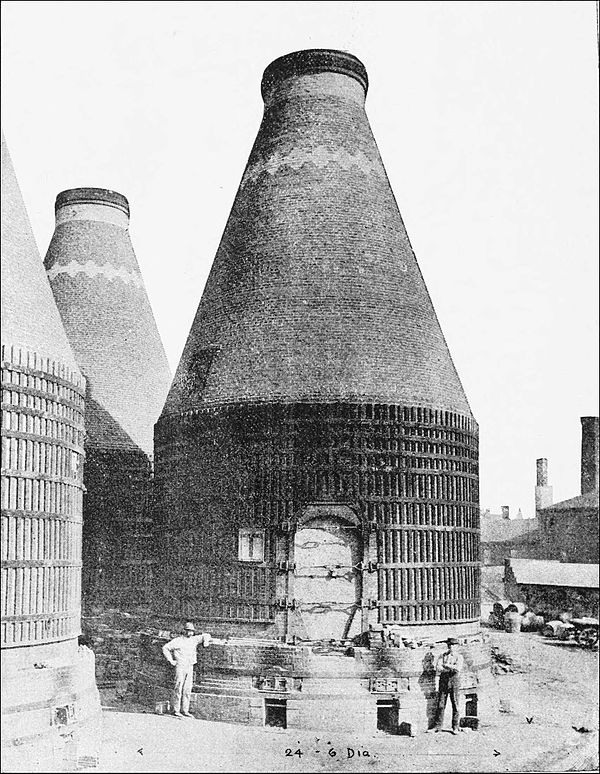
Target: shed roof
x: 536, y: 572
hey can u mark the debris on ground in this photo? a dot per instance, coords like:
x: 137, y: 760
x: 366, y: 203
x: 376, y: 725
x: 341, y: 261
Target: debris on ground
x: 503, y: 662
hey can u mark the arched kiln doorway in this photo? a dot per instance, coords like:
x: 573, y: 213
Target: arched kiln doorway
x: 327, y: 579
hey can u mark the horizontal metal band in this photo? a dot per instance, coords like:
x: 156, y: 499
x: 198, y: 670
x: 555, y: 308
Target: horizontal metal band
x: 33, y: 476
x: 72, y: 635
x: 228, y: 601
x: 48, y: 375
x: 225, y: 618
x: 41, y: 563
x: 47, y: 415
x: 62, y: 614
x: 49, y: 439
x: 425, y: 602
x: 438, y: 622
x: 385, y: 527
x: 428, y: 565
x: 374, y: 406
x: 20, y: 514
x: 38, y: 393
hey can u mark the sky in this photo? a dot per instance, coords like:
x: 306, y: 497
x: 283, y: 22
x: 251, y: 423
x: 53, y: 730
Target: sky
x: 485, y: 114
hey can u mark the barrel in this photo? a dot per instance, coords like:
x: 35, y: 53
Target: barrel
x: 512, y: 622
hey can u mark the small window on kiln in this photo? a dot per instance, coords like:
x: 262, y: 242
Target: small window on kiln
x: 251, y: 545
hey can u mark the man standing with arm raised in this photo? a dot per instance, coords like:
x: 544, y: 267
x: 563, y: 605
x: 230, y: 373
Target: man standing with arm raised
x: 181, y: 653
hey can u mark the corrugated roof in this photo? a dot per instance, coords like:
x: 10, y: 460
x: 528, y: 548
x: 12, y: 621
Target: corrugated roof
x: 589, y: 500
x: 315, y: 293
x: 535, y: 572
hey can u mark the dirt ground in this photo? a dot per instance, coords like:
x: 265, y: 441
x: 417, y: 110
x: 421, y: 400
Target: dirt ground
x: 556, y: 691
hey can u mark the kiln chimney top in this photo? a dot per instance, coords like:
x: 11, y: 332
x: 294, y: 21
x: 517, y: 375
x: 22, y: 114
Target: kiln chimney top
x: 312, y: 61
x: 92, y: 196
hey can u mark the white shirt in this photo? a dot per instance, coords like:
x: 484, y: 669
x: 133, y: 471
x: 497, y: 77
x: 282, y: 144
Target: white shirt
x: 181, y: 651
x: 452, y: 660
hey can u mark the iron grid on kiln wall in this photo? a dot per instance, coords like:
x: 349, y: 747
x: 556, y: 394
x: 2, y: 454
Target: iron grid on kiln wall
x: 42, y: 490
x: 408, y: 474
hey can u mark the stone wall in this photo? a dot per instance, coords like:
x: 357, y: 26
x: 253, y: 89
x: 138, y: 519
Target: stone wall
x: 237, y: 681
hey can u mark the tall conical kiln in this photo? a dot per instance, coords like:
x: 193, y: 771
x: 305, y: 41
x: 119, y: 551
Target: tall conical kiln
x: 50, y: 704
x: 316, y: 458
x: 100, y: 293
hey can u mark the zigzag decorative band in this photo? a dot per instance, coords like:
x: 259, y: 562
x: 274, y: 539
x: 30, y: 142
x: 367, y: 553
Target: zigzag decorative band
x: 91, y: 269
x: 320, y: 157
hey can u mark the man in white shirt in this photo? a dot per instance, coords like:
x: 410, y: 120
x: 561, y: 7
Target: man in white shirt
x: 449, y: 666
x: 181, y: 653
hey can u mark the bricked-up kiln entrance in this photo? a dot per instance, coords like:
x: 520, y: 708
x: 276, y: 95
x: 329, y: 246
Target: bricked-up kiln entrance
x: 387, y: 716
x: 327, y: 553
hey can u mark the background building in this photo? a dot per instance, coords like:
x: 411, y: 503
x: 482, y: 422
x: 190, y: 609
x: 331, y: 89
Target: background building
x: 563, y: 576
x: 553, y: 588
x: 503, y: 537
x: 569, y: 529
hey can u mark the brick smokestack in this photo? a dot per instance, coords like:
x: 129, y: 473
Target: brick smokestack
x: 505, y: 511
x: 589, y: 454
x: 543, y: 492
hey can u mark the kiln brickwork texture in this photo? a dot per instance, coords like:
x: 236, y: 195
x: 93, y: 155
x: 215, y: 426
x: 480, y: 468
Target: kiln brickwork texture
x: 316, y: 458
x: 315, y: 292
x: 100, y: 293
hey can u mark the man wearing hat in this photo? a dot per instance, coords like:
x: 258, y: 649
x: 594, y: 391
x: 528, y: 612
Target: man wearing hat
x: 181, y: 653
x: 449, y: 666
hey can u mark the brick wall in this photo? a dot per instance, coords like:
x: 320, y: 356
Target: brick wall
x: 570, y: 535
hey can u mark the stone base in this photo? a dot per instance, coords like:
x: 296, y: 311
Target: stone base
x: 263, y: 683
x: 51, y: 716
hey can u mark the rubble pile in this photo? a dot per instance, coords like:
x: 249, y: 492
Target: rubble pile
x: 503, y: 662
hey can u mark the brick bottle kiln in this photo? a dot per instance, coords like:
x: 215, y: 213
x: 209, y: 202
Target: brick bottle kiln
x: 100, y: 294
x: 50, y: 704
x: 317, y: 459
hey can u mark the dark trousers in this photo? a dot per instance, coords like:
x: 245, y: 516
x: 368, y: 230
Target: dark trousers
x: 448, y: 687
